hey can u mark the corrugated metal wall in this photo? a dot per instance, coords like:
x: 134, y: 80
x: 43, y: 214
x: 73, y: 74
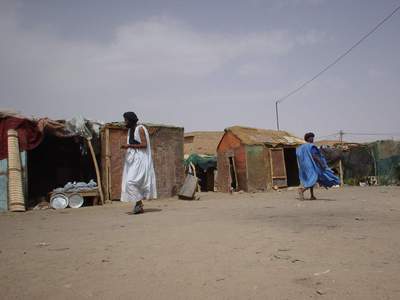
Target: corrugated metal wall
x: 231, y: 146
x: 3, y: 185
x: 4, y: 180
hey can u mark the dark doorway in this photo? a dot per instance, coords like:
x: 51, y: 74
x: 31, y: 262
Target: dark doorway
x: 206, y: 179
x: 232, y: 171
x: 292, y: 169
x: 55, y: 162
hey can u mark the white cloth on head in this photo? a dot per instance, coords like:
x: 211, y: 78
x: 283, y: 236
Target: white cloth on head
x: 138, y: 177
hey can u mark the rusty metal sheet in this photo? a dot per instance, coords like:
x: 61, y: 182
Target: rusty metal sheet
x: 223, y: 173
x: 256, y: 168
x: 118, y: 138
x: 167, y: 150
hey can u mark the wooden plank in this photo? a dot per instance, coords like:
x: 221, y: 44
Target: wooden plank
x: 234, y: 173
x: 280, y: 183
x: 92, y: 193
x: 96, y: 166
x: 268, y: 168
x: 103, y: 163
x: 341, y: 173
x: 105, y: 157
x: 107, y: 161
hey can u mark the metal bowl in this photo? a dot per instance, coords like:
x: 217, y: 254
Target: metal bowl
x: 75, y: 200
x: 59, y: 201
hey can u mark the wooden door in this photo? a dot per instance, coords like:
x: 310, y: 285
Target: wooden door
x: 278, y: 169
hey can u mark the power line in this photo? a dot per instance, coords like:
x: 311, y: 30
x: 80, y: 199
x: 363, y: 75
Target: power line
x: 375, y: 133
x: 342, y: 133
x: 329, y: 135
x: 340, y: 57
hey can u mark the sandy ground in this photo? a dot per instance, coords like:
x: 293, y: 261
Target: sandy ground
x: 242, y: 246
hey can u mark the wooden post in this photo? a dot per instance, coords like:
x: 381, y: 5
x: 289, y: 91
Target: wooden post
x: 198, y: 189
x: 341, y: 173
x: 105, y: 162
x: 96, y: 166
x: 108, y: 166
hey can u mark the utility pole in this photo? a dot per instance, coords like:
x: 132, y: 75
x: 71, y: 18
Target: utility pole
x: 277, y: 115
x: 341, y: 133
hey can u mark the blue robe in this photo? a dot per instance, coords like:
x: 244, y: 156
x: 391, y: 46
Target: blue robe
x: 310, y: 172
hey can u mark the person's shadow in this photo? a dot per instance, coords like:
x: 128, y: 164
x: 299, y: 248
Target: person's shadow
x: 146, y: 210
x: 316, y: 200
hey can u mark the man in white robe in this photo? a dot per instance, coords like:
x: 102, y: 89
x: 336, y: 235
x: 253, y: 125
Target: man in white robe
x: 138, y: 177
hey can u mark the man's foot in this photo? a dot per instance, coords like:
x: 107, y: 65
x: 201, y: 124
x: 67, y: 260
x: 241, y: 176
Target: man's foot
x: 138, y: 209
x: 301, y: 194
x: 313, y: 198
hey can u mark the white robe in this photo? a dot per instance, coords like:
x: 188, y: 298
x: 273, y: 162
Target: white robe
x: 138, y: 177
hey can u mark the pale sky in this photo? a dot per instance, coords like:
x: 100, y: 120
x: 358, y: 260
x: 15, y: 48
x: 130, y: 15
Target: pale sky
x: 204, y: 65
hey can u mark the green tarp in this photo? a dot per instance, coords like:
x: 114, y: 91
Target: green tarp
x: 380, y: 159
x: 387, y: 158
x: 203, y: 162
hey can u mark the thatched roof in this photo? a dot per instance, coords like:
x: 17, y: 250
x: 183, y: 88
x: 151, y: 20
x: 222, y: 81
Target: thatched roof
x: 256, y: 136
x: 119, y: 125
x: 202, y: 142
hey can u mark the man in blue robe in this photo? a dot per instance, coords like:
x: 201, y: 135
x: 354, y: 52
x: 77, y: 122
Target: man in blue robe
x: 313, y: 168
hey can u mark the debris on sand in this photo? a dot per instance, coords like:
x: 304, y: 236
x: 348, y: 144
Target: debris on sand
x: 322, y: 273
x: 42, y: 205
x: 59, y: 249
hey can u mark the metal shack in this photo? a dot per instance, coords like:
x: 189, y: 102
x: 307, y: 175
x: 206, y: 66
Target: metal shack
x: 386, y: 155
x: 167, y: 149
x: 252, y: 159
x: 52, y: 153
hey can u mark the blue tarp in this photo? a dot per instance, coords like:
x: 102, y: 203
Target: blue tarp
x: 310, y: 172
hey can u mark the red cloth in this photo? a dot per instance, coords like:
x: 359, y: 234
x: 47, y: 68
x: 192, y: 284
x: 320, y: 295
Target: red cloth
x: 29, y: 134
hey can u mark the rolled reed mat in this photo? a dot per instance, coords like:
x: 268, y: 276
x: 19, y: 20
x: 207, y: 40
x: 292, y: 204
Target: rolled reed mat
x: 15, y: 190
